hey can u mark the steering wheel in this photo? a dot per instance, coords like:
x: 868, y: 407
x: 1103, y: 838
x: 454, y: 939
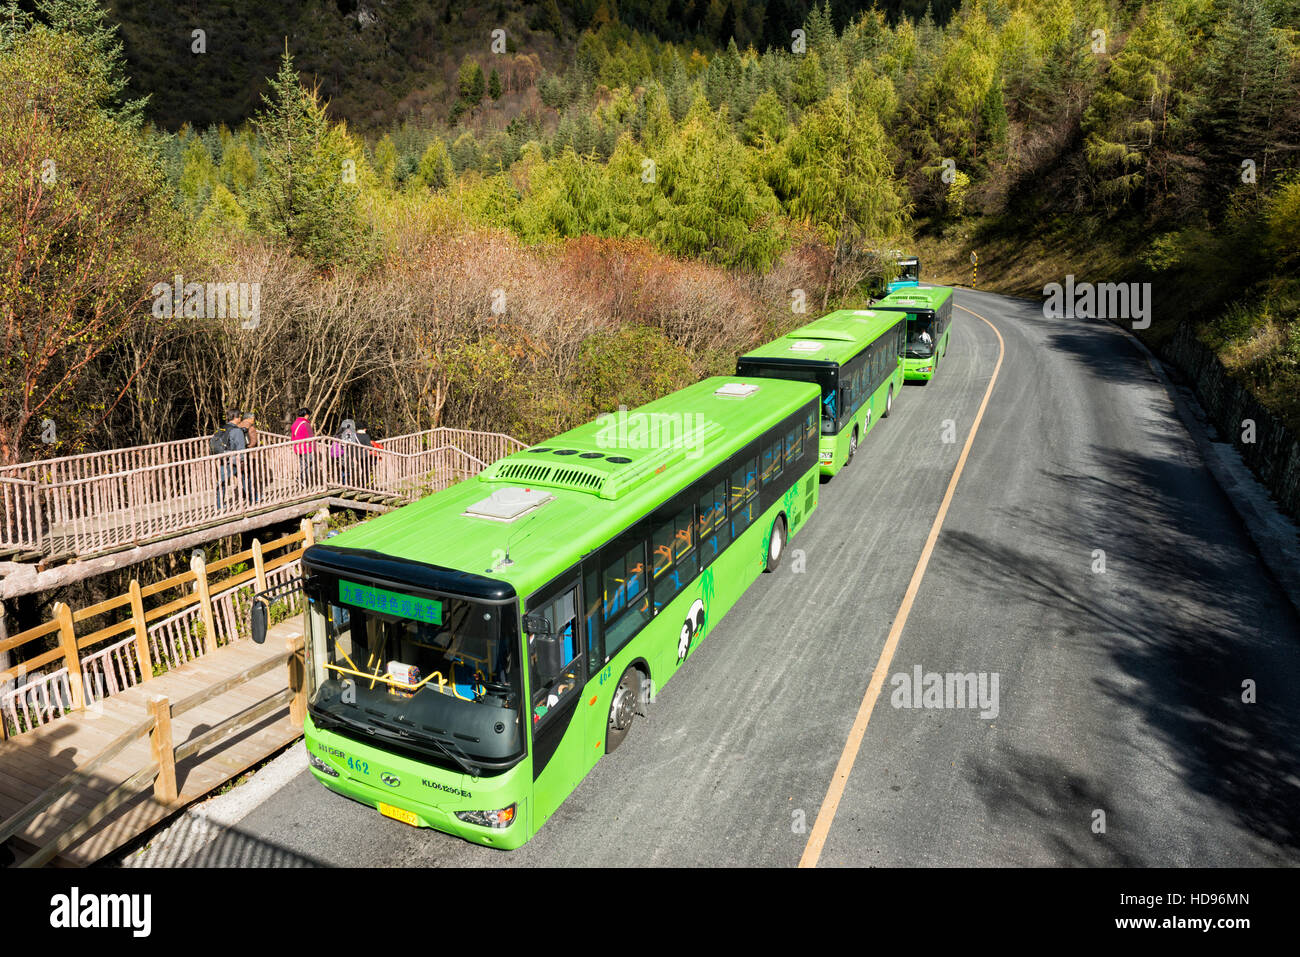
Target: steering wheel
x: 498, y: 688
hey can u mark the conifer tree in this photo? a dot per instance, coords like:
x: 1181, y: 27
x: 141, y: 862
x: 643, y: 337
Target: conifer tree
x: 1244, y: 87
x: 386, y: 159
x: 839, y: 175
x: 86, y: 19
x: 435, y: 165
x: 306, y: 196
x: 1136, y: 113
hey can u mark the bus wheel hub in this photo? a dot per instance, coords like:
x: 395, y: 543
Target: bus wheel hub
x: 624, y: 708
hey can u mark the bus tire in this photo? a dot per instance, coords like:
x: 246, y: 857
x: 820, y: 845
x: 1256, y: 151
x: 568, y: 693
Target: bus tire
x: 853, y: 446
x: 622, y: 709
x: 889, y: 403
x: 776, y: 544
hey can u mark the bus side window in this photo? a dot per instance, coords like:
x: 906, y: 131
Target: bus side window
x: 715, y: 533
x: 707, y: 520
x: 563, y: 615
x: 661, y: 549
x: 743, y: 500
x: 627, y: 597
x: 677, y: 536
x: 794, y: 445
x: 773, y: 460
x: 595, y: 644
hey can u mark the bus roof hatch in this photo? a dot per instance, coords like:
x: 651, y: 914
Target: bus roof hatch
x: 509, y: 503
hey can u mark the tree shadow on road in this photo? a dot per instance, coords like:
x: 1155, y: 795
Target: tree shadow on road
x: 195, y: 842
x: 1185, y: 613
x: 1113, y: 358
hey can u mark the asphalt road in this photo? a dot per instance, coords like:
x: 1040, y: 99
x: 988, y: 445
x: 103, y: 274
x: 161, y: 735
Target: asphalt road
x: 1119, y: 691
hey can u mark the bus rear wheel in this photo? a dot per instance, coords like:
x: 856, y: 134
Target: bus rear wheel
x: 622, y: 710
x: 776, y: 544
x: 889, y: 403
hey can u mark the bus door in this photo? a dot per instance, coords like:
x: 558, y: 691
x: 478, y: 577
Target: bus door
x: 556, y: 676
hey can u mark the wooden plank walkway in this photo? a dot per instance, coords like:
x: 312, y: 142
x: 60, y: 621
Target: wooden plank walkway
x: 32, y: 762
x: 137, y: 524
x: 99, y: 503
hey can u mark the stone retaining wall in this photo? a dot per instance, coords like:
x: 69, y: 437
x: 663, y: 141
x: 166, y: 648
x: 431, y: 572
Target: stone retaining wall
x: 1275, y: 454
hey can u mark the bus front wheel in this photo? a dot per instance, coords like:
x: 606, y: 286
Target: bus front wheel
x: 622, y: 709
x: 889, y: 403
x: 853, y: 447
x: 776, y: 544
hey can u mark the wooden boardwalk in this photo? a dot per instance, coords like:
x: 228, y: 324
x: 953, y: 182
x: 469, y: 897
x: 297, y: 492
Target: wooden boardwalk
x: 33, y: 762
x: 95, y: 504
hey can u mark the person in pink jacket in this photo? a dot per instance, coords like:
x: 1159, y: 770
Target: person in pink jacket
x: 306, y: 451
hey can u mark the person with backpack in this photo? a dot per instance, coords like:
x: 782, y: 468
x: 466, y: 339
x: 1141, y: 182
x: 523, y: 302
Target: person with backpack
x: 253, y: 477
x: 345, y: 454
x: 300, y: 432
x: 229, y: 437
x: 372, y: 455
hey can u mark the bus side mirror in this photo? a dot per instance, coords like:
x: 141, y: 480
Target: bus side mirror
x: 546, y: 645
x: 550, y: 660
x: 537, y: 625
x: 261, y: 610
x: 259, y: 621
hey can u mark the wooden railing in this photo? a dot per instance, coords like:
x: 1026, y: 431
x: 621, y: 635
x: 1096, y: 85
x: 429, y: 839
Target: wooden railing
x: 161, y: 770
x: 21, y: 525
x: 69, y: 468
x: 81, y: 670
x: 92, y: 504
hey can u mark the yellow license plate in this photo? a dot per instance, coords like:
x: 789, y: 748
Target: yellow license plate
x: 398, y: 814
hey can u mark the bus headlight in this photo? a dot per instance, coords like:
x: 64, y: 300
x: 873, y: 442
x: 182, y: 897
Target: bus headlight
x: 502, y: 818
x: 321, y: 765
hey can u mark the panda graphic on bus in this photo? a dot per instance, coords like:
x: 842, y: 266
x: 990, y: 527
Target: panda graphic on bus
x: 691, y: 627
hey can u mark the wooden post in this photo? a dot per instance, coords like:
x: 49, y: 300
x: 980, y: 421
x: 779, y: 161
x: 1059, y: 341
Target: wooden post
x: 5, y: 659
x: 199, y: 565
x: 68, y: 643
x: 308, y: 533
x: 259, y: 566
x: 142, y: 652
x: 297, y: 680
x: 160, y: 742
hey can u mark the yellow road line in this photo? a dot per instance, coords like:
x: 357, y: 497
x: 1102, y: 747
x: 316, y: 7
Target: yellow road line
x: 830, y: 804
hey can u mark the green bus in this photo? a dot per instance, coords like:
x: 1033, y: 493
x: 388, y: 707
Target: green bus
x: 929, y: 322
x: 909, y: 274
x: 855, y: 357
x: 470, y: 656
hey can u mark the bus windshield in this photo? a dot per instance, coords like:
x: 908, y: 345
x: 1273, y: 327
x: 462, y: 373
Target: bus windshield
x: 437, y: 676
x: 909, y: 270
x: 822, y: 375
x: 920, y: 336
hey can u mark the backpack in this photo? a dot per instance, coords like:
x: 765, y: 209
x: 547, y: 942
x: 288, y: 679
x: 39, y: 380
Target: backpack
x: 219, y: 441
